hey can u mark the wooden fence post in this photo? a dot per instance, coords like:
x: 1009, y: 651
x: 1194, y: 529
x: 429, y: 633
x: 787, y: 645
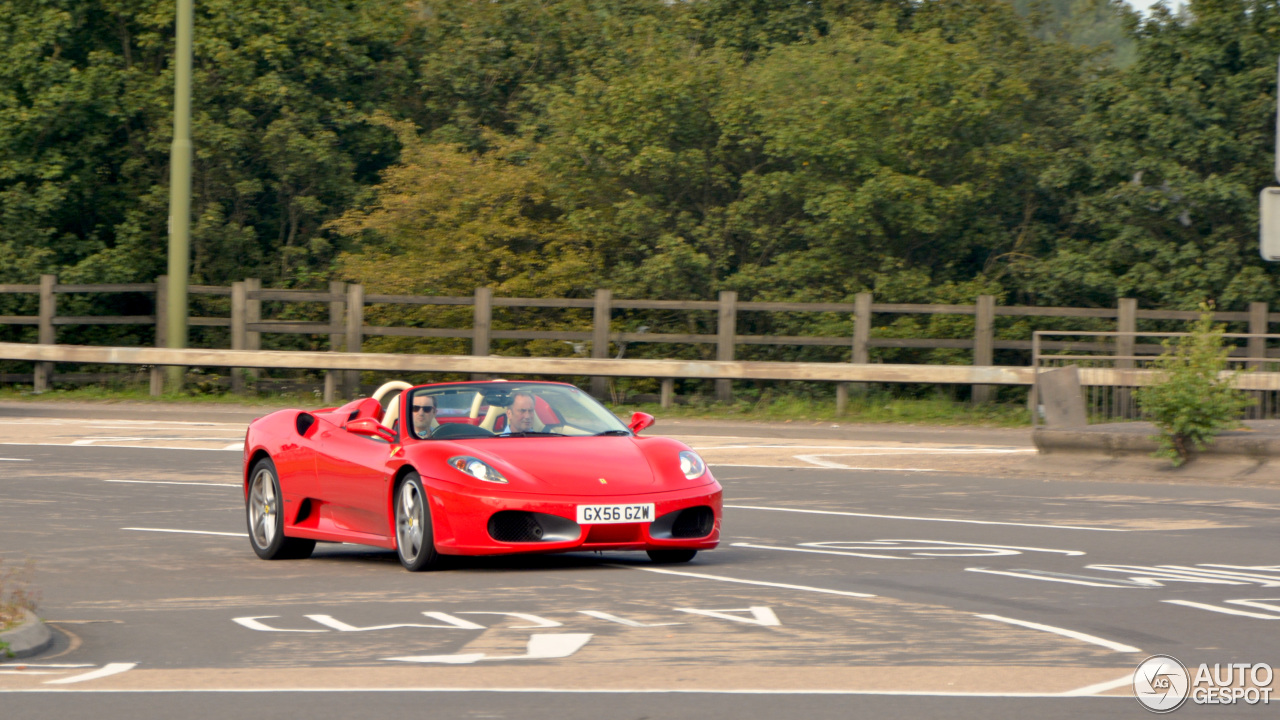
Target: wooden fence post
x: 668, y: 392
x: 984, y: 342
x: 337, y: 321
x: 43, y: 373
x: 1126, y: 322
x: 355, y: 333
x: 252, y: 315
x: 239, y: 336
x: 842, y: 398
x: 162, y: 332
x: 1258, y: 325
x: 482, y: 320
x: 726, y: 334
x: 861, y: 339
x: 601, y: 321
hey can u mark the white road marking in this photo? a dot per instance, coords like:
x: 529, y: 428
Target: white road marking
x: 80, y: 422
x: 131, y: 447
x: 94, y: 440
x: 15, y: 459
x: 1223, y: 610
x: 762, y: 583
x: 760, y: 615
x: 895, y: 449
x: 47, y: 665
x: 925, y: 519
x: 538, y: 622
x: 253, y: 624
x: 31, y: 672
x: 557, y: 691
x: 817, y: 552
x: 841, y: 466
x: 187, y: 532
x: 1068, y: 579
x: 175, y: 482
x: 541, y: 647
x: 1093, y: 690
x: 235, y: 446
x: 622, y: 621
x: 451, y: 623
x: 942, y: 548
x: 1094, y: 639
x: 104, y: 671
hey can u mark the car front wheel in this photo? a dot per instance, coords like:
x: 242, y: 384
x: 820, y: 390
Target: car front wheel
x: 265, y: 519
x: 415, y: 543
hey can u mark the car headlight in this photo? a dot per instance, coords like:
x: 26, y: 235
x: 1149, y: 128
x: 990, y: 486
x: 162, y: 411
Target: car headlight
x: 691, y: 465
x: 476, y: 468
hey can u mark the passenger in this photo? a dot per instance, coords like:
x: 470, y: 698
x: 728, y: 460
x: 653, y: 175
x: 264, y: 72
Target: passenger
x: 424, y: 415
x: 520, y: 414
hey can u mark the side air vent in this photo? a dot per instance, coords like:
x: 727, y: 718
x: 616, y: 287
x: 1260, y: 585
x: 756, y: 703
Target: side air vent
x: 693, y: 522
x: 304, y: 422
x: 518, y: 526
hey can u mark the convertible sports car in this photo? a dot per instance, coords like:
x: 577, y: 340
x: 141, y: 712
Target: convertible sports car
x: 474, y: 468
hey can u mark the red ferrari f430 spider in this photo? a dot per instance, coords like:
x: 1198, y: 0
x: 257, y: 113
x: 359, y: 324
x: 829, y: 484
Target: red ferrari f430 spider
x: 474, y: 468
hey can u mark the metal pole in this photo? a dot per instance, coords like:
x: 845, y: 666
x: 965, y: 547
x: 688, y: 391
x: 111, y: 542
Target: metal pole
x: 180, y: 185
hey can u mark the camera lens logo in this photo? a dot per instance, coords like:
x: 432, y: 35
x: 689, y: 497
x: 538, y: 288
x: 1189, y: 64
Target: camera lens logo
x: 1161, y: 683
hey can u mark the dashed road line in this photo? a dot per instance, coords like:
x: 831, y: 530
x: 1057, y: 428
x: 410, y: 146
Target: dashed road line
x: 174, y: 482
x: 104, y: 671
x: 186, y: 532
x: 925, y: 519
x: 762, y: 583
x: 1083, y: 637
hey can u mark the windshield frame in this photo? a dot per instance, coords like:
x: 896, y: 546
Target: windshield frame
x: 468, y: 404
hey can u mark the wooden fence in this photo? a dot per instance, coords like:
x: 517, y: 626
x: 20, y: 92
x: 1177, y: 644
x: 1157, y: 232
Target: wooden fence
x: 347, y: 331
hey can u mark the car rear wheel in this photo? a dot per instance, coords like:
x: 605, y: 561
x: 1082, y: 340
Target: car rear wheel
x: 265, y: 519
x: 415, y: 543
x: 671, y: 556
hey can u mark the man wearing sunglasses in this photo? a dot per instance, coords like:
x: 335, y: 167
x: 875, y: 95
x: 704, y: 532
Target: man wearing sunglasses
x: 424, y: 415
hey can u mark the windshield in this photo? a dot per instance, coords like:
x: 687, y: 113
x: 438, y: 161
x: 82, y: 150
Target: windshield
x: 507, y: 409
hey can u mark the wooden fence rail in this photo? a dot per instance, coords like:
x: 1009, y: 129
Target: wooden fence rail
x: 346, y: 329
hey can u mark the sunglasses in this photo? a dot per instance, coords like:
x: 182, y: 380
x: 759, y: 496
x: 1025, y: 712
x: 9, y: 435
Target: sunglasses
x: 424, y: 408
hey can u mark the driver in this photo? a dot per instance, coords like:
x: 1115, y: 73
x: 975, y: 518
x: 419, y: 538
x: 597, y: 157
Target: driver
x: 424, y: 415
x: 520, y: 413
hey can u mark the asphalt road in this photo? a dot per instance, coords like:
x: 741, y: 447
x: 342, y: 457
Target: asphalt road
x: 835, y: 593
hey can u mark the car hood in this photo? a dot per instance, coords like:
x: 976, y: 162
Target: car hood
x: 593, y: 466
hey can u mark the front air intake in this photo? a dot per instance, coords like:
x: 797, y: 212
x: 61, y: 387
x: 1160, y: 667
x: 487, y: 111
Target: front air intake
x: 519, y: 526
x: 692, y: 522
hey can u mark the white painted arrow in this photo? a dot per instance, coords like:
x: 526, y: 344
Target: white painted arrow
x: 541, y: 647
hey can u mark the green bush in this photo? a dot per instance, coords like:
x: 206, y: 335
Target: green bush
x: 1193, y: 399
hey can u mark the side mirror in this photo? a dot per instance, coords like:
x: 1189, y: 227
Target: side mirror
x: 371, y: 428
x: 640, y: 421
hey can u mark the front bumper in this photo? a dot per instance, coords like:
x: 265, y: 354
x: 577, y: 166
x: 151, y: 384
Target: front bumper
x: 460, y: 521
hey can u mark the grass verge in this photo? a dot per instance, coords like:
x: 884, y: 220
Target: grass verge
x: 871, y: 408
x: 866, y: 409
x: 16, y: 592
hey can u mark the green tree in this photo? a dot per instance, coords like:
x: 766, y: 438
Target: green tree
x: 1163, y: 178
x: 281, y: 91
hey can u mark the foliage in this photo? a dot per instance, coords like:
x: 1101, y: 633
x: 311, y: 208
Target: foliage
x: 280, y: 92
x: 1164, y: 176
x: 16, y: 592
x: 1092, y: 23
x: 1194, y: 399
x: 805, y: 150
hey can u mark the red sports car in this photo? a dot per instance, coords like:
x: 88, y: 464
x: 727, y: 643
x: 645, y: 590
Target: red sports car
x: 474, y: 468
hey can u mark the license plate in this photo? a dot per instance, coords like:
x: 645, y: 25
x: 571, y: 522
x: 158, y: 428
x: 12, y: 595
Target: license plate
x: 609, y: 514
